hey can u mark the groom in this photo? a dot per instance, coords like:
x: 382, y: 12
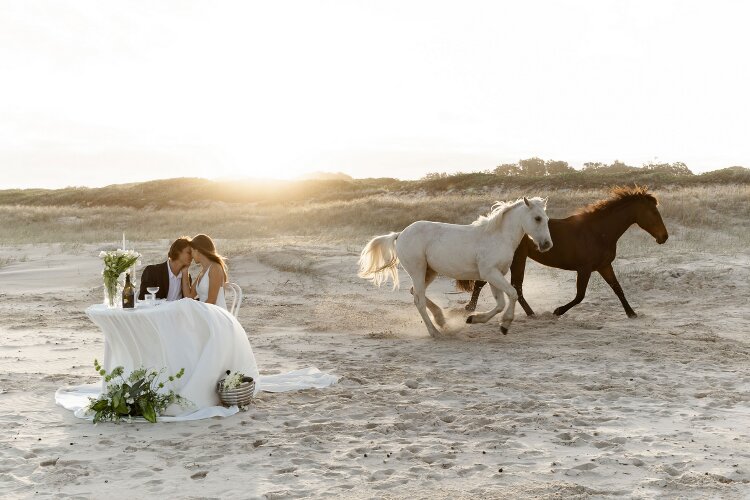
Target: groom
x: 168, y: 275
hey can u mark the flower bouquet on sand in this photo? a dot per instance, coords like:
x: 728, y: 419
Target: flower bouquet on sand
x: 116, y: 262
x: 236, y: 389
x: 135, y: 396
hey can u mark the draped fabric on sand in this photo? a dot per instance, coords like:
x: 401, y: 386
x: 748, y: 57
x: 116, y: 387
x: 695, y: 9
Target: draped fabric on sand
x: 204, y: 339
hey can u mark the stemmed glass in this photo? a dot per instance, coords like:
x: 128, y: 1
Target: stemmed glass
x: 152, y: 293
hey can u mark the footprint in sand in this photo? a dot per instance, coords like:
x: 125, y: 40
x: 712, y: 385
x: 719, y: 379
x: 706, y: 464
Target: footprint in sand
x: 301, y: 461
x: 586, y: 466
x: 390, y: 484
x: 381, y: 474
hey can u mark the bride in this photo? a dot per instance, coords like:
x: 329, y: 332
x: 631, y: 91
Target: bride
x: 209, y: 285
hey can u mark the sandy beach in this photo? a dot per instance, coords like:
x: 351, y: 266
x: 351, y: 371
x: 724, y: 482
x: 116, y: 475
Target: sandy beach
x: 296, y: 148
x: 589, y: 405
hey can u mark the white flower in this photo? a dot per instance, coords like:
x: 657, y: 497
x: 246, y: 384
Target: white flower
x: 233, y: 381
x: 130, y: 401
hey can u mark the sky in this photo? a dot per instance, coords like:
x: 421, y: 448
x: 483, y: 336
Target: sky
x: 95, y: 93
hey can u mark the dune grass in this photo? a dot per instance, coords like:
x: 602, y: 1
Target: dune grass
x: 704, y: 217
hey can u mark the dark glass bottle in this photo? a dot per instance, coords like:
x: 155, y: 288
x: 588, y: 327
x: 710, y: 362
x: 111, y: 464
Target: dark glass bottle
x: 128, y: 294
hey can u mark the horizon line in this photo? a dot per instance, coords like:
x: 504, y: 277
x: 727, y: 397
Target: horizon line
x: 301, y: 178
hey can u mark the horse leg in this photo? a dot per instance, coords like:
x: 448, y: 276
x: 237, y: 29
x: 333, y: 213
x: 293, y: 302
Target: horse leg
x: 517, y: 271
x: 472, y: 305
x: 488, y: 315
x: 582, y: 282
x: 435, y: 309
x: 609, y: 276
x: 496, y: 280
x: 420, y: 299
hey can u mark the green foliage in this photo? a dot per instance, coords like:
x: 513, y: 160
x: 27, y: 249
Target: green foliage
x: 617, y: 167
x: 677, y: 168
x: 117, y: 262
x: 532, y: 167
x: 536, y: 167
x: 134, y: 396
x: 554, y: 167
x: 507, y: 169
x: 431, y: 176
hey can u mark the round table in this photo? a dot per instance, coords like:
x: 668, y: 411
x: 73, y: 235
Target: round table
x: 204, y: 339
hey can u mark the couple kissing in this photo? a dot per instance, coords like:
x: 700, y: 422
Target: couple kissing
x: 173, y: 277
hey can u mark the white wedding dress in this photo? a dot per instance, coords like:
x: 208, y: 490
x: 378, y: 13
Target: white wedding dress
x: 202, y: 290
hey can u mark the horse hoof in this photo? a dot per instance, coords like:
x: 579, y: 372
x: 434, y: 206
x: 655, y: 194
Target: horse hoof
x: 559, y: 311
x: 632, y: 315
x: 504, y: 330
x: 469, y: 319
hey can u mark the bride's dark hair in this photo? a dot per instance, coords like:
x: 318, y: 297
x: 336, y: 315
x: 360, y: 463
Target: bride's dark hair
x: 205, y: 245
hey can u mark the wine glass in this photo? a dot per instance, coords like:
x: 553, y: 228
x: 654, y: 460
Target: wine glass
x: 152, y: 293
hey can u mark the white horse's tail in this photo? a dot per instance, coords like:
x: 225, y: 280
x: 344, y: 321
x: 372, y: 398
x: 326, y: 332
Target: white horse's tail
x: 378, y: 260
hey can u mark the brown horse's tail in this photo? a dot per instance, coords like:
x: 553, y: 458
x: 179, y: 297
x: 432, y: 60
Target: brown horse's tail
x: 465, y: 285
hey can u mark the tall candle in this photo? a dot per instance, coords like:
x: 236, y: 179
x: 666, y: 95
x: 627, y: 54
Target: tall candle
x: 123, y: 241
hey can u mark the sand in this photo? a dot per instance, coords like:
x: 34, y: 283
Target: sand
x: 589, y: 405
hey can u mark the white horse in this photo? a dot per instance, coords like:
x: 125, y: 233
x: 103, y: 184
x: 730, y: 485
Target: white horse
x: 482, y: 250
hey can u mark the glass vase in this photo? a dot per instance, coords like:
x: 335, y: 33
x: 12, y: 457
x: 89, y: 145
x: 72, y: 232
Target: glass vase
x: 112, y: 294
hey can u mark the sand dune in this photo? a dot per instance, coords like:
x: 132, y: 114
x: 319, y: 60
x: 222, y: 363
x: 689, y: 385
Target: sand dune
x: 588, y: 405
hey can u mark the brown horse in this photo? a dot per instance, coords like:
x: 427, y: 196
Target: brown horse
x: 586, y: 242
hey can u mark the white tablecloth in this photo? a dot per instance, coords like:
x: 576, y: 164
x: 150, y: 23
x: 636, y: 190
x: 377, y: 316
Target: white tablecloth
x: 203, y: 339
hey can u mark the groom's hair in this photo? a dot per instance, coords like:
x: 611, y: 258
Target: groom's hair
x: 178, y: 246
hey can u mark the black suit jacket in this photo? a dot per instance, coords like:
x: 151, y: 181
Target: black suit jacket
x: 156, y: 275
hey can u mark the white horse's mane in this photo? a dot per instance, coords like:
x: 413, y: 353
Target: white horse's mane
x: 493, y: 219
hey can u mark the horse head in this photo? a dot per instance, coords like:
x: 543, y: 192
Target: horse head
x: 535, y: 223
x: 649, y: 219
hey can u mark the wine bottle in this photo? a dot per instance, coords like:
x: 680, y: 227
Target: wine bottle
x: 128, y: 294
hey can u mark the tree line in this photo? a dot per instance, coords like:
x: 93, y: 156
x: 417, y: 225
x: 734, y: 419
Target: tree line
x: 537, y: 167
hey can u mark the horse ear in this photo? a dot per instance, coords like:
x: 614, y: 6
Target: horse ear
x: 526, y: 200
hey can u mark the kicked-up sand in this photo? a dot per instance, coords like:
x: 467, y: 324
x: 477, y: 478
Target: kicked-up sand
x: 590, y: 405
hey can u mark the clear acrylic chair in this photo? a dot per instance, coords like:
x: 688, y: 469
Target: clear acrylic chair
x: 234, y: 308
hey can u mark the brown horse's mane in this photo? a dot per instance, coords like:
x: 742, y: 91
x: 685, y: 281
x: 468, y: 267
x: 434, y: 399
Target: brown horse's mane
x: 619, y: 195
